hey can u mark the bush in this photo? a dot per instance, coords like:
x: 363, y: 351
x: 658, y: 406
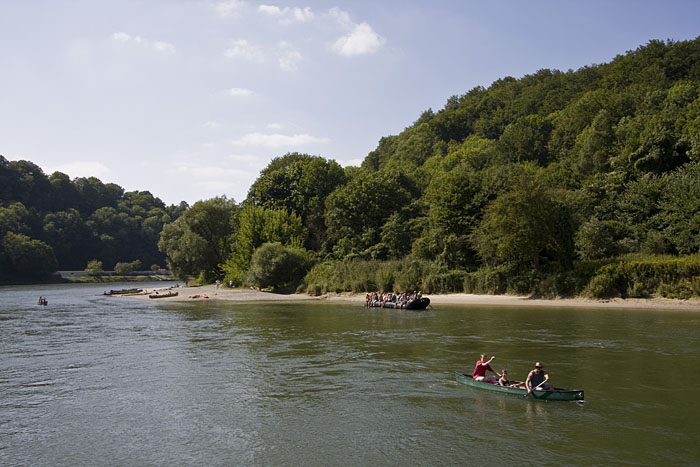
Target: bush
x: 94, y: 268
x: 644, y: 275
x: 491, y: 281
x: 123, y: 269
x: 274, y: 265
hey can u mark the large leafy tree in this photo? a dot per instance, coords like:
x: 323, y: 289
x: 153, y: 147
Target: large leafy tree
x: 525, y: 225
x: 299, y: 183
x: 200, y: 240
x: 356, y: 212
x: 71, y: 238
x: 27, y: 258
x: 256, y: 226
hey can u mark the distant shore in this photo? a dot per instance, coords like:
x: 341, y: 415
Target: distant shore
x: 211, y: 292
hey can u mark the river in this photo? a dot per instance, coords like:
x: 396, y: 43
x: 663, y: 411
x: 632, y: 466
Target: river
x: 96, y: 380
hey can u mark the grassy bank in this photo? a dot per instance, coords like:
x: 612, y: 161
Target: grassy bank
x: 629, y: 276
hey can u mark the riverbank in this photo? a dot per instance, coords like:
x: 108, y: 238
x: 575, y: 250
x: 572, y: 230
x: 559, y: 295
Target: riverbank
x: 211, y: 292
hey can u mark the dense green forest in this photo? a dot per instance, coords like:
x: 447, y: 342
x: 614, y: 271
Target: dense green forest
x: 558, y: 183
x: 51, y: 222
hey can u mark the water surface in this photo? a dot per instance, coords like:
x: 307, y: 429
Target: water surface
x: 95, y: 380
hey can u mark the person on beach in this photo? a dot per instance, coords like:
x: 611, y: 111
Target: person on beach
x: 537, y: 378
x: 480, y: 370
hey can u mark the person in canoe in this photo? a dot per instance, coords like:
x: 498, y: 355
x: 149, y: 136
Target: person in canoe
x: 503, y: 380
x: 537, y: 379
x: 480, y: 370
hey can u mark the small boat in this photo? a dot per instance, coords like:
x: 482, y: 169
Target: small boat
x: 163, y: 295
x: 415, y: 304
x: 123, y: 291
x: 557, y: 394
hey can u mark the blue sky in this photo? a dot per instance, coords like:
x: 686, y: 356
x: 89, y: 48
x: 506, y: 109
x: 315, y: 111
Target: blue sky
x: 190, y: 99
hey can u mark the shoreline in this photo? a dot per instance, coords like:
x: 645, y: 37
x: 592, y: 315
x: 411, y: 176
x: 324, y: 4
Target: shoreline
x: 211, y: 292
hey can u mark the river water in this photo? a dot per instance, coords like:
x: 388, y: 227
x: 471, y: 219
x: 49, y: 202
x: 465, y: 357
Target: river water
x: 96, y: 380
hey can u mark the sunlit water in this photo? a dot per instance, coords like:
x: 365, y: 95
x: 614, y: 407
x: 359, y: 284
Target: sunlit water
x: 95, y: 380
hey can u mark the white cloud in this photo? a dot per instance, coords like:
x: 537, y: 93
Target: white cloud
x: 158, y: 46
x: 240, y: 92
x: 121, y: 37
x: 241, y: 48
x: 165, y: 47
x: 287, y: 15
x: 275, y: 126
x: 230, y: 7
x: 289, y: 56
x: 212, y: 125
x: 82, y: 169
x: 360, y: 41
x: 341, y: 17
x: 276, y: 140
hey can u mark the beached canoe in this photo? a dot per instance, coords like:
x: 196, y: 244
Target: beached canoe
x: 415, y: 304
x: 163, y: 295
x: 557, y: 394
x: 123, y: 291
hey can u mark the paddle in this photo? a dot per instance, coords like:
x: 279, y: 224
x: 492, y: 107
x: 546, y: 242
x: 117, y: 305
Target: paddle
x: 533, y: 390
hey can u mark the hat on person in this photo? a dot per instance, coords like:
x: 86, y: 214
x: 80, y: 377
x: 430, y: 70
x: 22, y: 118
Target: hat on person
x: 538, y: 365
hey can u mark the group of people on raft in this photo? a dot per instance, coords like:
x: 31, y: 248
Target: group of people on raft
x: 394, y: 300
x: 43, y: 301
x: 536, y: 379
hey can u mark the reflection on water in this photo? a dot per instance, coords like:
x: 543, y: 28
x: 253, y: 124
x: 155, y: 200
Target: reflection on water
x: 110, y: 381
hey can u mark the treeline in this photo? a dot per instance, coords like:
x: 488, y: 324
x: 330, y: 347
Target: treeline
x: 558, y: 183
x: 531, y: 185
x: 51, y: 222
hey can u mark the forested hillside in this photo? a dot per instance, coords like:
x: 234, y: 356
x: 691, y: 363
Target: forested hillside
x: 529, y: 185
x: 53, y: 222
x: 556, y: 183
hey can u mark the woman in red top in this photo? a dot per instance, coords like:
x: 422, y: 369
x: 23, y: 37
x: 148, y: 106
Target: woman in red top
x: 480, y: 370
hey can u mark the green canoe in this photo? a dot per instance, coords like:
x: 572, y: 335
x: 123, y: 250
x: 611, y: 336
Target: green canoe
x: 556, y: 395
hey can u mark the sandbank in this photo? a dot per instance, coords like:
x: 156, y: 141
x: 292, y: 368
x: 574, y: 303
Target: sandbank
x: 211, y: 292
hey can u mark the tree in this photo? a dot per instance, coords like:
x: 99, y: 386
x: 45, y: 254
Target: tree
x: 124, y: 269
x: 526, y: 140
x: 299, y: 183
x: 275, y: 265
x: 679, y: 214
x: 200, y: 240
x: 70, y: 237
x: 94, y: 267
x: 257, y: 226
x: 525, y: 225
x: 358, y: 210
x: 29, y: 259
x: 14, y: 218
x: 598, y: 239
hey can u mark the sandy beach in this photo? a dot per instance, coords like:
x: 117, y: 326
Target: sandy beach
x: 211, y: 292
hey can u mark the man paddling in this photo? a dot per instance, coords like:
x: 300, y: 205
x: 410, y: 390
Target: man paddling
x: 537, y: 378
x: 480, y: 370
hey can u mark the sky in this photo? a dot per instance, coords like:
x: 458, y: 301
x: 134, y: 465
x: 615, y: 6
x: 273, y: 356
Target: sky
x: 191, y: 99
